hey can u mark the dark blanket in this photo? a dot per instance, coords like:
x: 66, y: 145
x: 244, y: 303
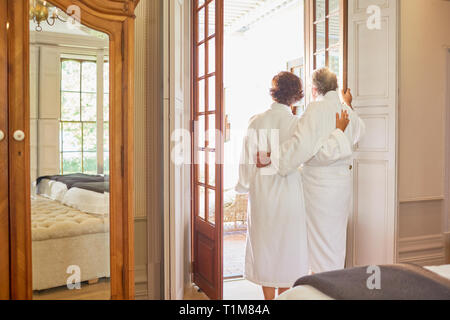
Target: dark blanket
x: 95, y: 183
x: 398, y: 282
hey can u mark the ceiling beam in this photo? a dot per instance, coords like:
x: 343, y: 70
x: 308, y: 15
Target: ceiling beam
x: 263, y: 11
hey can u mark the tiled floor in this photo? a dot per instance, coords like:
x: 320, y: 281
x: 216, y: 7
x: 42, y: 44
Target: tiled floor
x: 242, y: 290
x: 232, y: 290
x: 234, y: 254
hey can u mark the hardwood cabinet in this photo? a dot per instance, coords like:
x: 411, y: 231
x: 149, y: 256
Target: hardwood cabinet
x: 116, y: 19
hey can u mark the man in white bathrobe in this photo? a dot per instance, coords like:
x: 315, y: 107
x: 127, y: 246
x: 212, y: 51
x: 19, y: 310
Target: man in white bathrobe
x: 327, y: 177
x: 277, y: 250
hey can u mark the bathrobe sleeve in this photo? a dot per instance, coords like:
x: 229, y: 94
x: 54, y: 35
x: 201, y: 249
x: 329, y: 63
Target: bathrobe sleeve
x: 335, y: 148
x: 306, y: 143
x: 247, y: 165
x: 357, y: 128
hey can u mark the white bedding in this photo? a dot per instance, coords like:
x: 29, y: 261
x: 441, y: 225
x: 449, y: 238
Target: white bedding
x: 310, y: 293
x: 87, y: 201
x: 80, y: 199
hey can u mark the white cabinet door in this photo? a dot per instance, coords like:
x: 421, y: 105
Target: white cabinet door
x: 372, y: 75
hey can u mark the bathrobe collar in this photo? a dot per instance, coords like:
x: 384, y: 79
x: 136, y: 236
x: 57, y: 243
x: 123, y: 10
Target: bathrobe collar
x: 281, y: 107
x: 331, y: 95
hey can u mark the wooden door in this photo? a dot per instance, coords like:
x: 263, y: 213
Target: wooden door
x: 372, y: 76
x: 19, y: 157
x: 208, y: 122
x: 4, y: 212
x: 362, y: 51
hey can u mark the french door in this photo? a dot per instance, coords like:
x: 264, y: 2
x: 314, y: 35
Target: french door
x: 4, y: 190
x: 326, y: 30
x: 338, y: 36
x: 208, y: 145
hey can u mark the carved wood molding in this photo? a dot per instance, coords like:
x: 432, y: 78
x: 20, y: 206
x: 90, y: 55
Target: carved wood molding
x: 112, y: 7
x: 106, y: 9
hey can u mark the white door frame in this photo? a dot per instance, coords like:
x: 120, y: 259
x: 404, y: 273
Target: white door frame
x: 177, y: 197
x: 367, y: 106
x: 446, y: 215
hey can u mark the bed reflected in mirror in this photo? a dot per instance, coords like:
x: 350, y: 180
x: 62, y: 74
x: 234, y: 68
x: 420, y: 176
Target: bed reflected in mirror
x: 69, y: 112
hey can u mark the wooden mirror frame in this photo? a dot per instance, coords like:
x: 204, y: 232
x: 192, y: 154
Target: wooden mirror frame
x: 115, y: 18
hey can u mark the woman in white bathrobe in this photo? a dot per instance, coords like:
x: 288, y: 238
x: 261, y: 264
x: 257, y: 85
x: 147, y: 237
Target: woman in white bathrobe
x: 329, y: 182
x: 277, y: 249
x: 327, y: 178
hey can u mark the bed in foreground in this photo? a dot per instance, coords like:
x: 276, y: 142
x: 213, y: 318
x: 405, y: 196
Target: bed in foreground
x: 398, y: 282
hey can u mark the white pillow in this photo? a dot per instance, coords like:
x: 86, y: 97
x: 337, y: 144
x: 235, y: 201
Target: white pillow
x: 87, y: 201
x: 51, y: 189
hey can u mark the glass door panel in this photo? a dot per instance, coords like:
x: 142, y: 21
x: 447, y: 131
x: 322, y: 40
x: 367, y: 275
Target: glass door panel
x: 328, y: 24
x: 208, y: 120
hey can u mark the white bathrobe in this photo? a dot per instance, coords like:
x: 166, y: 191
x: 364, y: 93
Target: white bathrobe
x: 277, y: 250
x: 327, y: 184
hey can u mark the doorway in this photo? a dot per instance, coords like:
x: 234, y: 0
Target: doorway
x: 261, y: 42
x: 237, y: 49
x: 334, y: 38
x: 246, y: 43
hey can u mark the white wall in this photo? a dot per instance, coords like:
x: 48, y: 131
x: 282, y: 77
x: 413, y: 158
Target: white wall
x: 425, y: 32
x: 142, y: 288
x: 252, y: 59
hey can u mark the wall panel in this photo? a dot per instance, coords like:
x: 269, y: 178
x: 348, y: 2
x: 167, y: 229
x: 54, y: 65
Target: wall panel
x: 372, y: 76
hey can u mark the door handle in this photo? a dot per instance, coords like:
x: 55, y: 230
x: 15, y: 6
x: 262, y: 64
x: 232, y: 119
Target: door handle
x: 19, y: 135
x: 2, y: 135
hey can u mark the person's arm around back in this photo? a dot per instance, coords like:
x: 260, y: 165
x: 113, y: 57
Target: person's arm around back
x: 246, y: 164
x: 337, y: 146
x: 307, y: 141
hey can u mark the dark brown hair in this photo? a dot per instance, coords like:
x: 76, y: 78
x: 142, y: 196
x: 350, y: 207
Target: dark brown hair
x: 287, y: 88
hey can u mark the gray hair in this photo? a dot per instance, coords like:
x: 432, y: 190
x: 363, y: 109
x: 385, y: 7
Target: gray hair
x: 325, y: 81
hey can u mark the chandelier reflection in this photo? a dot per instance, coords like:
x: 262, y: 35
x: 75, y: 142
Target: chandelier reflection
x: 41, y: 12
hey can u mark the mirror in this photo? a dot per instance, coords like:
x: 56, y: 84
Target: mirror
x: 69, y: 114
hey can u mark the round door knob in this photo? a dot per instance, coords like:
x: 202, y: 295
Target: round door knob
x: 2, y: 135
x: 19, y: 135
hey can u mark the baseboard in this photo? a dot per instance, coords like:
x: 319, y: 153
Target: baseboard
x: 141, y: 282
x: 141, y: 292
x: 423, y: 250
x: 180, y: 293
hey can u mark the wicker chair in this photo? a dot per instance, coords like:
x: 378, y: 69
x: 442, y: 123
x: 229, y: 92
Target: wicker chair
x: 237, y: 211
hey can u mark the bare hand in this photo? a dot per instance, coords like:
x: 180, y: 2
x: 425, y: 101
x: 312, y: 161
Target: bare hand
x: 347, y: 96
x: 342, y: 121
x: 263, y: 160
